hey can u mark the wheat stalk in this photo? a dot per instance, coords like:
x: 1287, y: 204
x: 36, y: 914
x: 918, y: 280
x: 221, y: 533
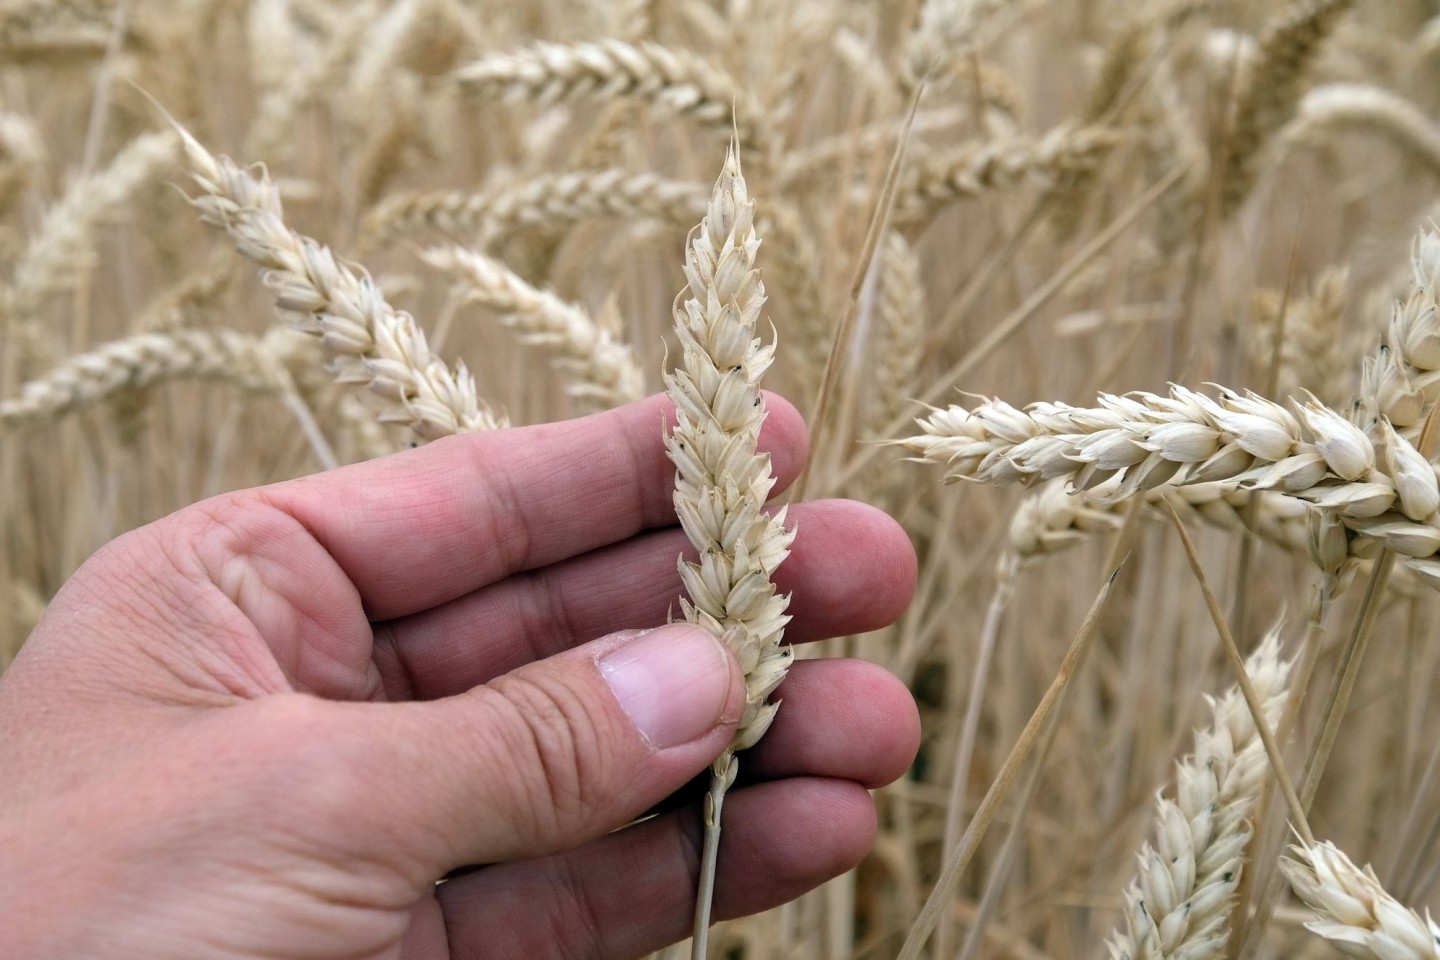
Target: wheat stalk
x: 366, y: 340
x: 600, y: 370
x: 611, y: 69
x: 1353, y: 911
x: 722, y: 483
x: 1180, y: 902
x: 545, y: 200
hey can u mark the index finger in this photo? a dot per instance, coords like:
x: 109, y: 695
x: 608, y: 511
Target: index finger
x: 426, y: 526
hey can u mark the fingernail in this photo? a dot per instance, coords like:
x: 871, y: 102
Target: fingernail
x: 672, y: 682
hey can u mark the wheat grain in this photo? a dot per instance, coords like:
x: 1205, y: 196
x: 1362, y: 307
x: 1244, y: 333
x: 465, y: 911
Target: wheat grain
x: 610, y: 69
x: 600, y: 370
x: 1179, y: 904
x: 546, y: 200
x: 1353, y: 910
x: 367, y: 341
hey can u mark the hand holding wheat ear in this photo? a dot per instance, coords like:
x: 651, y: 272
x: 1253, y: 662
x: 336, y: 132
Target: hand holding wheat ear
x: 429, y: 666
x: 722, y: 482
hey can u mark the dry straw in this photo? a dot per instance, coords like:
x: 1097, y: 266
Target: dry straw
x: 365, y: 339
x: 1180, y: 903
x: 1353, y: 911
x: 722, y: 482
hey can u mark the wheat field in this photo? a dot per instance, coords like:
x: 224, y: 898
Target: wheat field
x: 1199, y: 233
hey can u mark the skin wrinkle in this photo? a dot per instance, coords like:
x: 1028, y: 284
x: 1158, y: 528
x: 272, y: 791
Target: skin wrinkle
x: 538, y: 800
x: 235, y: 549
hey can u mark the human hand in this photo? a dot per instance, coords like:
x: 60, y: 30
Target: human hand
x: 266, y: 725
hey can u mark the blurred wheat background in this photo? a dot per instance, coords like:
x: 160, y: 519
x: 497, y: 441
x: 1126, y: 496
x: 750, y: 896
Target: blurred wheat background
x: 1094, y: 196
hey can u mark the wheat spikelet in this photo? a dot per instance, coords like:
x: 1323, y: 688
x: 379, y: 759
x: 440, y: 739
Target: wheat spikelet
x: 599, y: 370
x: 366, y: 340
x: 1402, y: 379
x: 1179, y: 905
x: 545, y: 200
x: 1356, y: 106
x: 611, y: 69
x: 1289, y: 45
x: 721, y: 482
x: 1353, y: 910
x: 141, y: 361
x: 60, y: 251
x: 973, y: 170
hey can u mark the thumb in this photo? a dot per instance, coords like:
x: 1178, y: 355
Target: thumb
x: 558, y: 752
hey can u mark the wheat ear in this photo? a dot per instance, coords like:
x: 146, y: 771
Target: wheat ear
x: 1382, y: 489
x: 600, y: 370
x: 366, y: 340
x: 61, y: 249
x: 545, y: 200
x: 144, y: 360
x: 613, y: 69
x: 1179, y: 904
x: 722, y: 482
x: 1053, y: 159
x: 1353, y: 911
